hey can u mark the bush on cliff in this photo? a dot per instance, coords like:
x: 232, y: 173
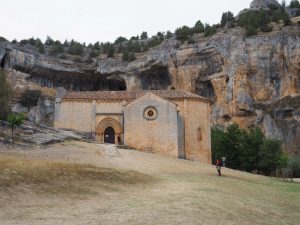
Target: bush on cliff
x: 247, y: 150
x: 209, y: 30
x: 183, y: 33
x: 75, y: 48
x: 250, y: 31
x: 5, y: 91
x: 30, y: 98
x: 199, y: 27
x: 295, y: 4
x: 56, y: 48
x: 144, y: 35
x: 226, y: 18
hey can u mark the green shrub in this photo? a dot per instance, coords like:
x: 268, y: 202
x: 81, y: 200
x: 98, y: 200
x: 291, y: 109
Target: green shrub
x: 144, y: 35
x: 273, y: 7
x: 269, y: 156
x: 153, y: 41
x: 209, y: 30
x: 169, y: 34
x: 96, y: 46
x: 250, y: 31
x: 93, y: 54
x: 2, y: 39
x: 295, y: 4
x: 120, y: 40
x: 56, y: 48
x: 199, y: 27
x: 144, y: 47
x: 15, y: 120
x: 135, y: 38
x: 128, y: 56
x: 286, y: 19
x: 5, y: 92
x: 160, y: 35
x: 226, y: 18
x: 110, y: 51
x: 125, y: 56
x: 75, y: 48
x: 266, y: 28
x: 30, y: 98
x: 41, y: 48
x: 254, y: 19
x: 294, y: 164
x: 49, y: 41
x: 183, y: 33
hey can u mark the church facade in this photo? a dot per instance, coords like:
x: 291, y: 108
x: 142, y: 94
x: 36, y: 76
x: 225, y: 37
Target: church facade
x: 167, y: 122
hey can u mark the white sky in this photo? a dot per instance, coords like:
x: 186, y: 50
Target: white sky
x: 105, y: 20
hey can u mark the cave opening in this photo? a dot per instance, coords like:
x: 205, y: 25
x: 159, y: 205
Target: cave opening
x: 2, y: 63
x: 156, y: 78
x: 81, y: 83
x: 205, y: 89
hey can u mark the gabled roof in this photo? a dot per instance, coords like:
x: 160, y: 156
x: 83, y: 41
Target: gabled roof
x: 130, y: 95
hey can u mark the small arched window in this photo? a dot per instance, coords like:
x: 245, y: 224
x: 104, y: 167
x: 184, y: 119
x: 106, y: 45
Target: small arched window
x: 199, y: 134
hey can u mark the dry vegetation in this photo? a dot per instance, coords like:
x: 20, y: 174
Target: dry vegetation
x: 140, y: 188
x: 59, y: 177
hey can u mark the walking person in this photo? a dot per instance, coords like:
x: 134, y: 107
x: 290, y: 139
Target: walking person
x: 218, y: 165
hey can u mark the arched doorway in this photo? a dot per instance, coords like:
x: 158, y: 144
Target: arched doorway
x: 109, y: 135
x: 109, y: 130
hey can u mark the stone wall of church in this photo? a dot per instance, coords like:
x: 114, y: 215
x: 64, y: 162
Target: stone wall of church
x: 162, y: 135
x: 110, y: 106
x: 196, y: 115
x: 158, y: 135
x: 74, y: 115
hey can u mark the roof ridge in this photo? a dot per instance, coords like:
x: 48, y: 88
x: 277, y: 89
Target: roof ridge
x: 132, y: 94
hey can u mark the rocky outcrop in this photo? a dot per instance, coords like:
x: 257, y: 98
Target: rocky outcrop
x: 251, y: 81
x: 42, y: 113
x: 32, y: 133
x: 263, y: 4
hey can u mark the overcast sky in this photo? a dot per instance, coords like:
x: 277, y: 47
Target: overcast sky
x: 105, y: 20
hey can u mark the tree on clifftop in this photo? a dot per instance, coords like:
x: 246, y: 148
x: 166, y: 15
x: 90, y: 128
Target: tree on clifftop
x: 199, y: 27
x: 144, y: 35
x: 295, y: 4
x: 226, y: 17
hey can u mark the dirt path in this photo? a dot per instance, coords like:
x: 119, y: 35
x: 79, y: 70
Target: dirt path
x: 186, y: 193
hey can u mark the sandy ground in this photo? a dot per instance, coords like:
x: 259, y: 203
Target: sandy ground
x: 185, y: 192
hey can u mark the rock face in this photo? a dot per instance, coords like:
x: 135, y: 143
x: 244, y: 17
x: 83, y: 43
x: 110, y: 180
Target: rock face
x: 251, y: 81
x: 263, y: 4
x: 32, y: 133
x: 43, y: 112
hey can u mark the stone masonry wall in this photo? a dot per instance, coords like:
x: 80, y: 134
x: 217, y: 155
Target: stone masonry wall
x: 74, y: 115
x: 157, y: 136
x: 196, y: 115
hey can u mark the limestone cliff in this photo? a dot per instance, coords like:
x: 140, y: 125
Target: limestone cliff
x: 251, y: 81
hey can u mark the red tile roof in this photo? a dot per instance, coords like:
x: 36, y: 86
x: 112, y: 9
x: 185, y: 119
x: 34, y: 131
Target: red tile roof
x: 130, y: 95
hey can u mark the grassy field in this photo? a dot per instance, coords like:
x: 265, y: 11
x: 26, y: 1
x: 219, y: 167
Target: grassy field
x: 139, y: 188
x: 58, y: 177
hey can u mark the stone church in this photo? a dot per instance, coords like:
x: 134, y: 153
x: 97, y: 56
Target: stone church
x: 167, y: 122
